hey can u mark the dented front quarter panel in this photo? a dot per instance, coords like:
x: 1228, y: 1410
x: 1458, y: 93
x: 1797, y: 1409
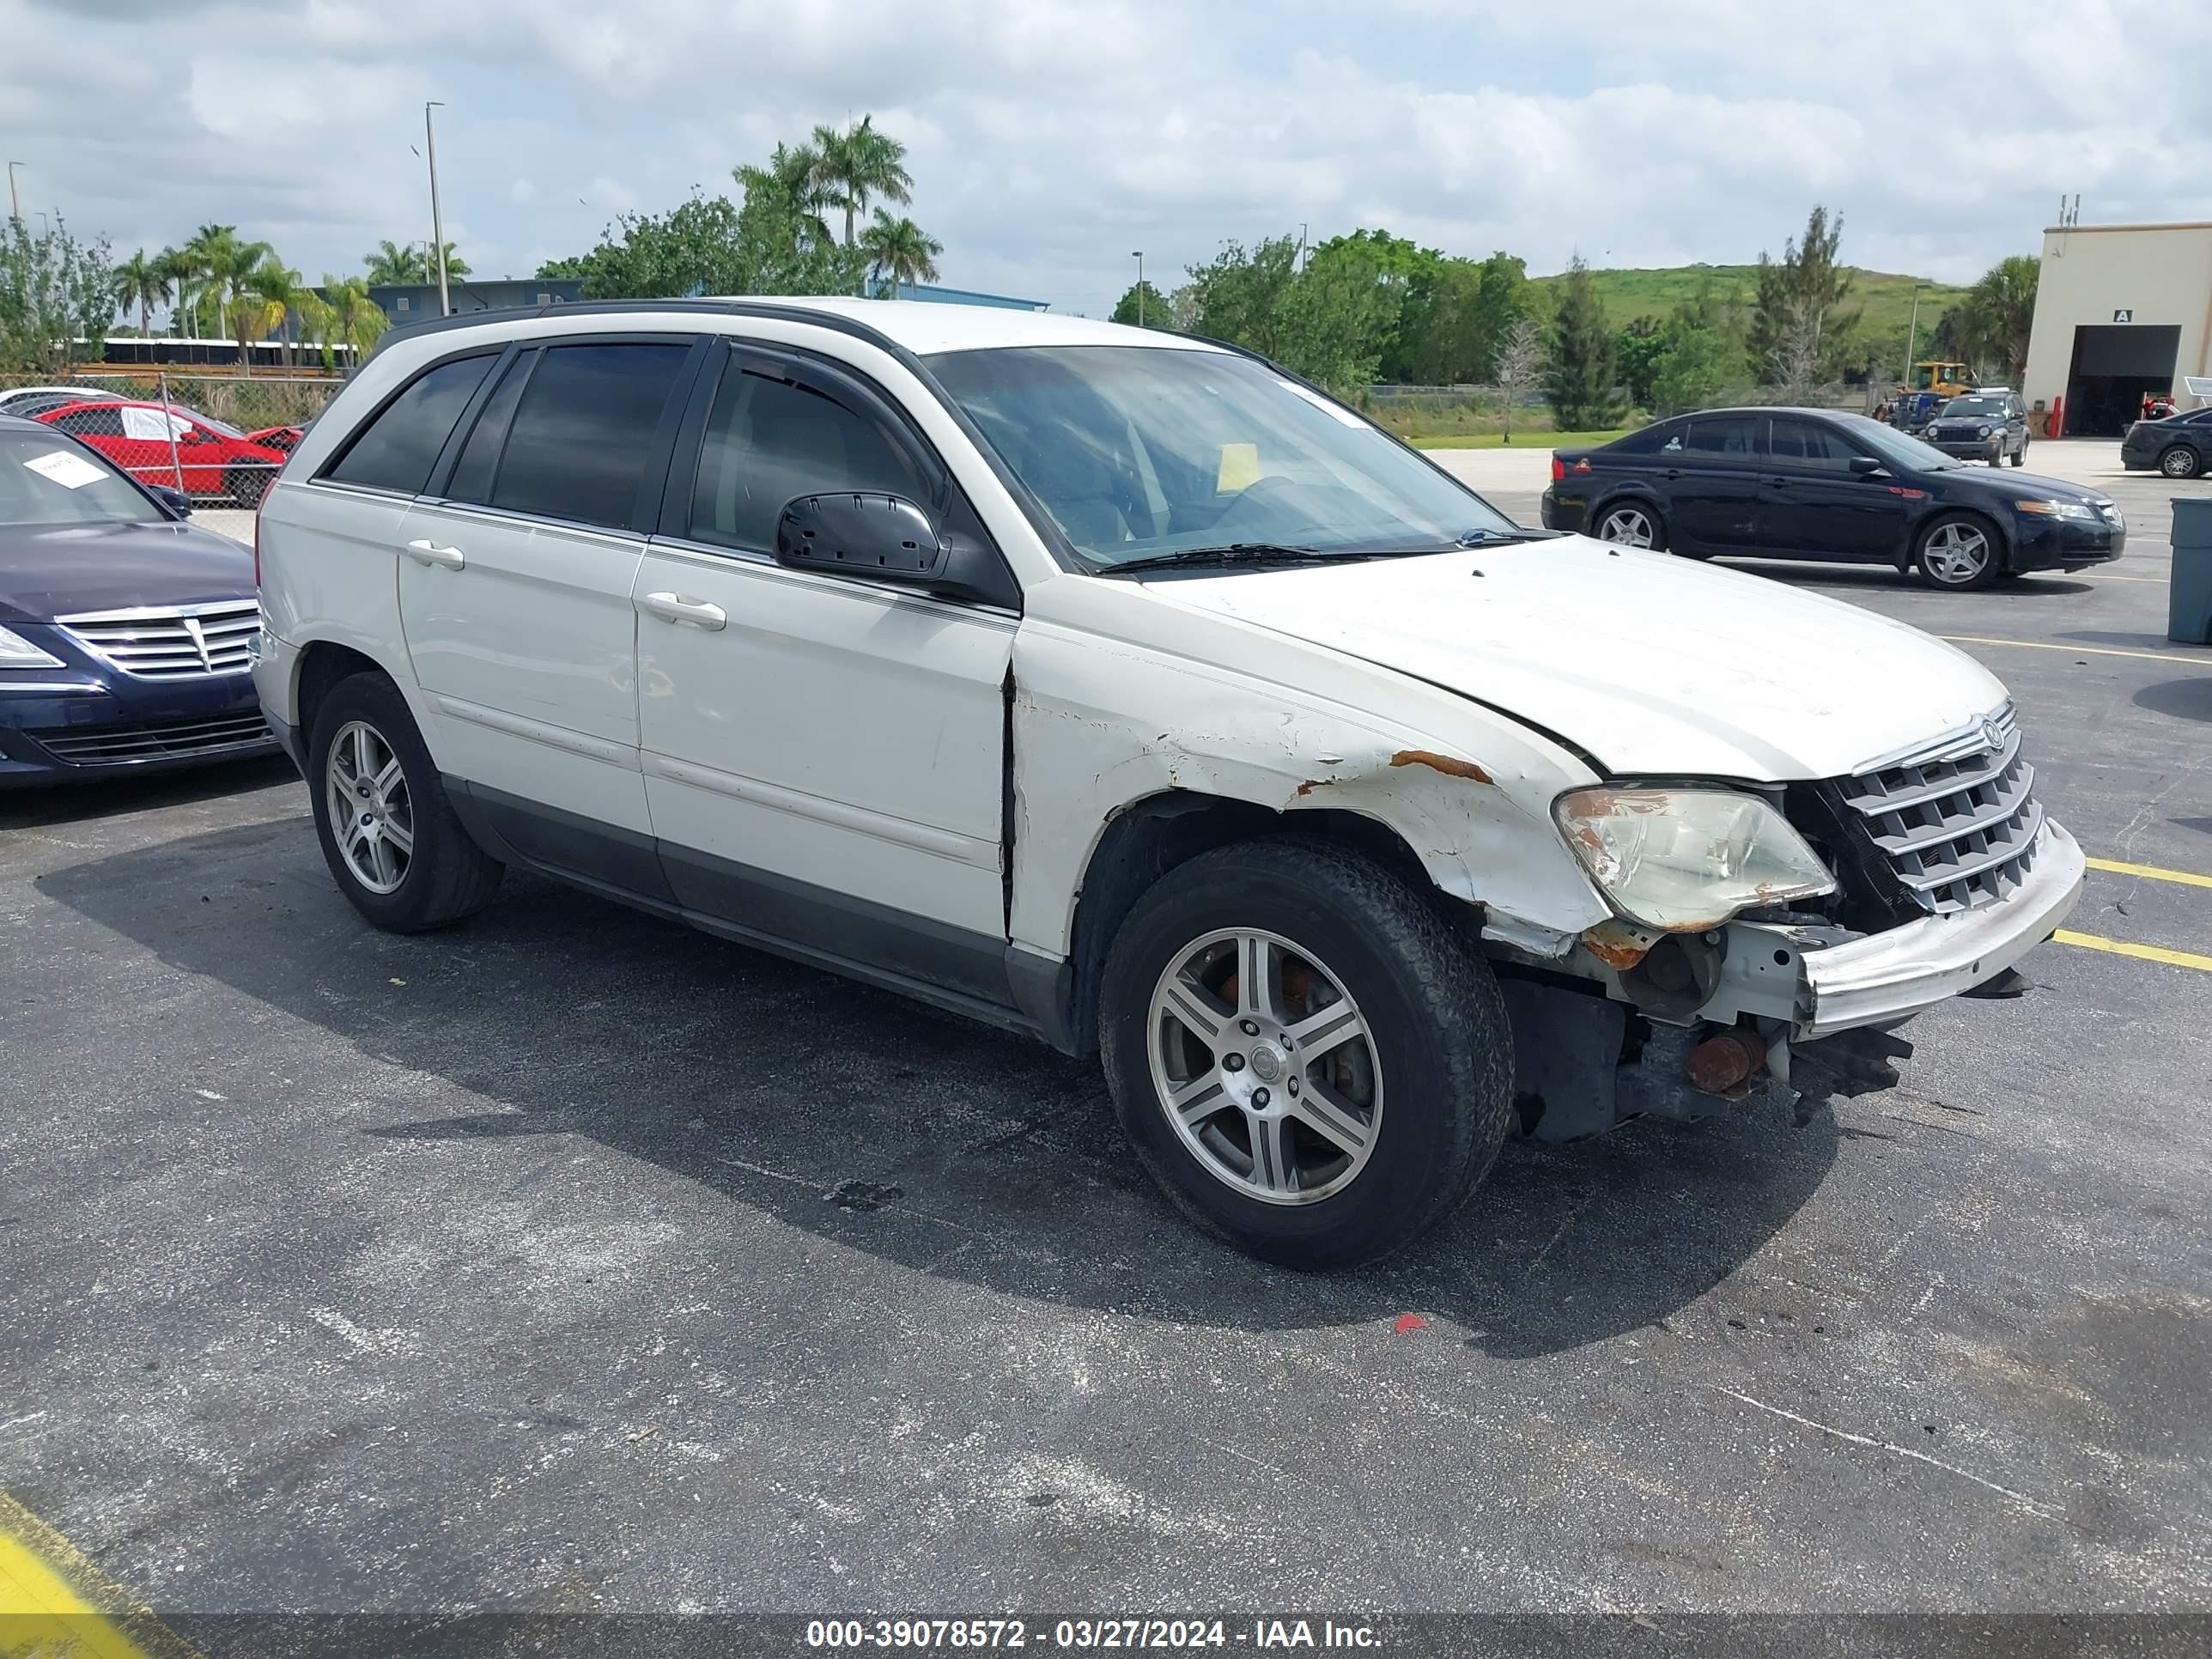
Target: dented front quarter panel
x: 1120, y: 697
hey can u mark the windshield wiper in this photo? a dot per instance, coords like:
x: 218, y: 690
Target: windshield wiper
x: 1234, y: 553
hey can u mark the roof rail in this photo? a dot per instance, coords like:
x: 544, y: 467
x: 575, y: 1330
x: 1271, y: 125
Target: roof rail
x: 836, y: 321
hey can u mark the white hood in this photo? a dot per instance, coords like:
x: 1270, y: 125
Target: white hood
x: 1655, y: 665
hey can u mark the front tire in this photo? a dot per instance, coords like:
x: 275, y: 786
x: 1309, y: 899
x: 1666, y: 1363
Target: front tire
x: 391, y: 837
x: 1302, y: 1055
x: 2179, y: 462
x: 1959, y: 551
x: 246, y: 486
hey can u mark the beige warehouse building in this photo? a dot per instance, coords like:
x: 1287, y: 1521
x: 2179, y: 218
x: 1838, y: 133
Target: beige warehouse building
x: 2120, y: 311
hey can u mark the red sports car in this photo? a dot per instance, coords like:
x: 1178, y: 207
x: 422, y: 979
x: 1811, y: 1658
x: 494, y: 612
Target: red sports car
x: 209, y: 460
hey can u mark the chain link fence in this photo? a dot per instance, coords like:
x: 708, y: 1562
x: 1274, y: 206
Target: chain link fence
x: 219, y: 438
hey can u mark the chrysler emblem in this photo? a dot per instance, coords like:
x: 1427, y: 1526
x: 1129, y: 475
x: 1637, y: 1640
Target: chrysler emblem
x: 199, y: 642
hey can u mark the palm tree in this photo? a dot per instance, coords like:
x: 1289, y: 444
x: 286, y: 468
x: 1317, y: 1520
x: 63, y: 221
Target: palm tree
x: 853, y: 166
x: 456, y: 266
x: 205, y: 256
x: 143, y: 283
x: 391, y: 263
x: 901, y: 250
x: 177, y: 269
x: 2000, y: 309
x: 790, y: 177
x: 357, y: 320
x: 276, y: 285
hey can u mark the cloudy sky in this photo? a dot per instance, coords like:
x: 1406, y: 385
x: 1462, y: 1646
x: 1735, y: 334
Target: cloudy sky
x: 1049, y: 139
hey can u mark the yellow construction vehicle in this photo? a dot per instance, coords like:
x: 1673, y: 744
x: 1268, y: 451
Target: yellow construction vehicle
x: 1944, y: 380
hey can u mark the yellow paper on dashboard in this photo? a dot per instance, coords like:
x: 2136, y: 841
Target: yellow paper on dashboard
x: 1240, y: 468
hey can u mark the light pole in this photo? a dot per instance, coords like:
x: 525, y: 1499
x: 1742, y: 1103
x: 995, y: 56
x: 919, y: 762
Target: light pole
x: 437, y: 224
x: 1138, y: 256
x: 15, y: 202
x: 1912, y: 327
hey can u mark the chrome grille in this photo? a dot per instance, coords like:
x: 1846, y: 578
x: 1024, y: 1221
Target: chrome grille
x: 172, y: 643
x: 1957, y: 820
x: 84, y: 746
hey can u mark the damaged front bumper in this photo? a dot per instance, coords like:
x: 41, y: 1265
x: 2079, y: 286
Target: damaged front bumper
x: 1760, y: 1009
x: 1885, y: 978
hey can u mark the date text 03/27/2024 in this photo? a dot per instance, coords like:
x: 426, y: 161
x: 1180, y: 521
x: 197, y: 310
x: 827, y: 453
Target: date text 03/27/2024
x: 1136, y: 1633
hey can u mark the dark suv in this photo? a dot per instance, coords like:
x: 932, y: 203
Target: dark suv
x: 1988, y: 425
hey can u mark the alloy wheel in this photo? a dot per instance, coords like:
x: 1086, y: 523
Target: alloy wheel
x: 2178, y: 463
x: 1630, y: 526
x: 1265, y: 1066
x: 1956, y: 554
x: 370, y: 808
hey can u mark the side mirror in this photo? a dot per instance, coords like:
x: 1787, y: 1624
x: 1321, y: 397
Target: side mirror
x: 175, y: 500
x: 1865, y: 466
x: 887, y: 538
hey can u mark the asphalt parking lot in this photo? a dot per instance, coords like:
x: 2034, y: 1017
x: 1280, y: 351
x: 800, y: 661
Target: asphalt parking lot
x: 574, y: 1262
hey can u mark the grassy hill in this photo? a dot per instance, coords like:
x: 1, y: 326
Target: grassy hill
x: 1886, y: 297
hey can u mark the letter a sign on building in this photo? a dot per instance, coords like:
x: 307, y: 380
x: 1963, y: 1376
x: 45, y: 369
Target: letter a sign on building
x: 2124, y: 314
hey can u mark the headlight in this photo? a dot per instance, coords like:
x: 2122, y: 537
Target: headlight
x: 1681, y: 860
x: 1982, y: 432
x: 16, y: 652
x: 2057, y: 509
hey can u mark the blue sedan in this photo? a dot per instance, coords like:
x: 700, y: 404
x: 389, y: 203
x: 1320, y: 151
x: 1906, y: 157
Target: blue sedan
x: 126, y: 634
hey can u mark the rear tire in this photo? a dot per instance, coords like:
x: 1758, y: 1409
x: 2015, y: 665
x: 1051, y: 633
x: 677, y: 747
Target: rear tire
x: 391, y: 839
x: 2180, y: 462
x: 246, y: 486
x: 2020, y: 455
x: 1630, y: 524
x: 1363, y: 996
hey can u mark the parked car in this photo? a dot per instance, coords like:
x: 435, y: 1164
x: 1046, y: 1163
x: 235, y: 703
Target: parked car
x: 125, y: 631
x: 1803, y: 483
x: 283, y: 438
x: 1124, y: 690
x: 215, y: 461
x: 2180, y: 446
x: 1988, y: 424
x: 13, y: 401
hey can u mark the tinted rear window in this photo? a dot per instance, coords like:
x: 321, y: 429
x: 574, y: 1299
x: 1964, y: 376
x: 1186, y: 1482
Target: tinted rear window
x: 400, y: 446
x: 1646, y: 442
x: 584, y: 431
x: 1726, y: 435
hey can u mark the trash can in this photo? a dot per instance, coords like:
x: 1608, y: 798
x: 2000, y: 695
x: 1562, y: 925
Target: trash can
x: 2188, y: 590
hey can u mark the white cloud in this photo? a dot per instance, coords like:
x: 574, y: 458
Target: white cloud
x: 1049, y: 137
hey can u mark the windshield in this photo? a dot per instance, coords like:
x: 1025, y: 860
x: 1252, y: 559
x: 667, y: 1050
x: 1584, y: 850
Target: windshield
x: 1959, y: 407
x: 221, y: 429
x: 1142, y: 450
x: 1894, y: 448
x: 44, y: 480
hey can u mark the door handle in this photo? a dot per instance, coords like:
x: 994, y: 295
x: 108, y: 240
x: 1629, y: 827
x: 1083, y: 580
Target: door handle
x: 1674, y: 472
x: 429, y: 553
x: 1776, y: 479
x: 684, y: 613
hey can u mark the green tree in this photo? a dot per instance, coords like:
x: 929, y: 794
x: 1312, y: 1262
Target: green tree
x: 1580, y: 382
x: 1800, y: 298
x: 391, y: 263
x: 356, y: 320
x: 1637, y: 352
x: 278, y: 290
x: 1704, y: 354
x: 858, y: 165
x: 1997, y: 312
x: 1331, y: 322
x: 900, y: 251
x: 1144, y: 306
x: 141, y: 284
x: 56, y: 297
x: 711, y: 245
x: 790, y: 177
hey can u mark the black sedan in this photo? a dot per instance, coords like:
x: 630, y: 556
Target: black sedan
x: 126, y: 634
x: 2180, y: 446
x: 1806, y: 483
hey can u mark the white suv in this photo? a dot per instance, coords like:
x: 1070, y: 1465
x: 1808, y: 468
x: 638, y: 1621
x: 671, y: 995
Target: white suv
x: 1126, y: 691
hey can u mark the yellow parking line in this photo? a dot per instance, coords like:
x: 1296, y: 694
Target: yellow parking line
x: 2151, y: 873
x: 2107, y: 577
x: 2121, y: 947
x: 2078, y: 650
x: 54, y: 1601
